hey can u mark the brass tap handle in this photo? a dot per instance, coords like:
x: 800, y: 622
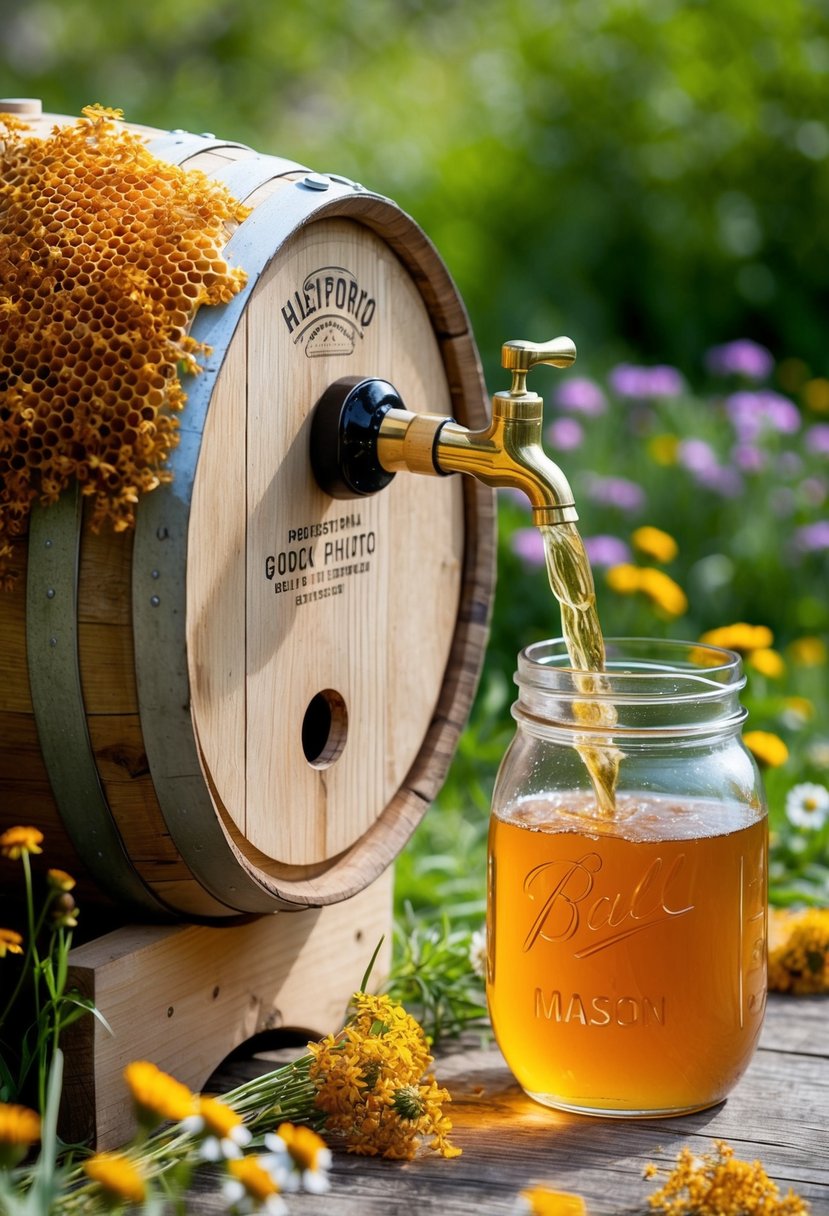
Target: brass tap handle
x: 519, y: 357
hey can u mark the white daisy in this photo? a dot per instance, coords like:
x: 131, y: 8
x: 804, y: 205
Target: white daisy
x: 238, y: 1200
x: 252, y: 1187
x: 299, y: 1159
x: 477, y: 952
x: 220, y: 1131
x: 807, y: 805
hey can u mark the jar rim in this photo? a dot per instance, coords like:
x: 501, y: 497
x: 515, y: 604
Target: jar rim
x: 635, y: 669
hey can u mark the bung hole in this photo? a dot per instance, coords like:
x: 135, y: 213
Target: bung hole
x: 324, y: 728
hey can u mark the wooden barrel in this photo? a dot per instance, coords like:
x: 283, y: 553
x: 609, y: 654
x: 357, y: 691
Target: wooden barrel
x: 247, y: 704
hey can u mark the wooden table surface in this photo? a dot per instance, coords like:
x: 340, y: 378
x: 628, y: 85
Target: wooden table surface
x: 779, y: 1113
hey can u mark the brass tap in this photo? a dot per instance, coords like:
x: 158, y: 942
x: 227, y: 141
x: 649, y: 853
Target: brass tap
x: 377, y: 437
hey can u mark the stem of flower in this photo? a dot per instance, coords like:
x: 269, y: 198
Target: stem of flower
x: 27, y: 959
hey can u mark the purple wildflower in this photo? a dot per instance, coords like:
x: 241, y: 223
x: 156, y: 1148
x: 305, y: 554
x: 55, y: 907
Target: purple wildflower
x: 580, y: 395
x: 700, y: 459
x: 642, y: 383
x: 723, y: 480
x: 753, y: 412
x: 740, y: 358
x: 749, y: 458
x: 514, y: 495
x: 813, y: 537
x: 817, y: 439
x: 565, y: 434
x: 665, y: 381
x: 528, y: 544
x: 814, y: 491
x: 781, y: 414
x: 789, y: 464
x: 626, y: 380
x: 697, y: 456
x: 615, y: 492
x: 606, y: 550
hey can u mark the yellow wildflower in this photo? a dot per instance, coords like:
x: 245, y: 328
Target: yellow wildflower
x: 302, y: 1158
x: 717, y: 1183
x: 540, y: 1201
x: 370, y: 1083
x: 218, y: 1118
x: 252, y: 1183
x: 816, y: 393
x: 661, y: 589
x: 11, y: 122
x: 799, y: 950
x: 663, y: 449
x: 16, y: 841
x: 655, y: 543
x: 740, y: 637
x: 19, y: 1128
x: 221, y: 1131
x: 156, y: 1095
x: 808, y: 651
x: 10, y: 942
x: 767, y: 662
x: 59, y: 880
x: 797, y: 710
x: 768, y: 749
x: 624, y: 579
x: 117, y: 1177
x: 97, y: 113
x: 792, y: 374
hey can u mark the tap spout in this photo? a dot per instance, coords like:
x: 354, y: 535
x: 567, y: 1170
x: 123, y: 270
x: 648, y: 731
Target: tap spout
x: 362, y: 435
x: 507, y: 452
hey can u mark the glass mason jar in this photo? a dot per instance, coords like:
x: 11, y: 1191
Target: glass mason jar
x: 626, y: 970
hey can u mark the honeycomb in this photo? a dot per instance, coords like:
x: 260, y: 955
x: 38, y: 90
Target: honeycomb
x: 106, y: 254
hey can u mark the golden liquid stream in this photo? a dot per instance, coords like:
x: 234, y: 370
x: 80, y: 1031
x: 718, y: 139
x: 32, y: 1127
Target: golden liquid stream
x: 571, y: 581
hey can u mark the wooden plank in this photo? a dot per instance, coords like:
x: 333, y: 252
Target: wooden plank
x: 779, y: 1112
x: 799, y: 1024
x: 107, y: 663
x: 20, y: 757
x: 26, y: 798
x: 105, y: 578
x: 14, y: 669
x: 216, y: 586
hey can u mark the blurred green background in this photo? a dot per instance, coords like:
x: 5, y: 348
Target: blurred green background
x: 650, y: 177
x: 646, y: 176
